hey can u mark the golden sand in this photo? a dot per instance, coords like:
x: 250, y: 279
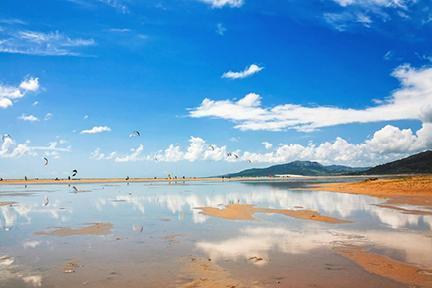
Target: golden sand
x: 387, y: 267
x: 94, y: 229
x: 246, y: 212
x: 416, y: 190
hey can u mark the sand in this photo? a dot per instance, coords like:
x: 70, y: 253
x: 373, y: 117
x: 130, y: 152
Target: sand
x: 414, y: 190
x: 387, y: 267
x: 202, y: 273
x: 94, y: 229
x: 246, y: 212
x: 7, y: 203
x: 113, y: 180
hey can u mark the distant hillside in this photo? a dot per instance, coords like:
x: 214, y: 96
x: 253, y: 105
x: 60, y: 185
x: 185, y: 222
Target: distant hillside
x: 415, y: 164
x: 306, y: 168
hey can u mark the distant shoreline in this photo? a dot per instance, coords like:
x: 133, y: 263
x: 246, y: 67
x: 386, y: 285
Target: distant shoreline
x: 41, y: 181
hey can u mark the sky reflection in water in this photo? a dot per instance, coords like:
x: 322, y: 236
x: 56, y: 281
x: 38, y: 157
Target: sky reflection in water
x: 168, y: 219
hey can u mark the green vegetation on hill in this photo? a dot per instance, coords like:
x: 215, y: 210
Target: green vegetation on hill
x: 416, y: 164
x: 306, y: 168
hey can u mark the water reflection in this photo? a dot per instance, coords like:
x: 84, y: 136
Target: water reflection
x: 136, y: 212
x: 259, y: 241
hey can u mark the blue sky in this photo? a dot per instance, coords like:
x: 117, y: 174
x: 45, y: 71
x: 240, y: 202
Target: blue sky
x: 336, y: 81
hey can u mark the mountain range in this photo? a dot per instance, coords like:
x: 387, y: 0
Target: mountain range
x: 415, y: 164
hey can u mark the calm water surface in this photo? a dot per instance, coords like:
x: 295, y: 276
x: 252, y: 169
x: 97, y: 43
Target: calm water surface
x: 156, y: 233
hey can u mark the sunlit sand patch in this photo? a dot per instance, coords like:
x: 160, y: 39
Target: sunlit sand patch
x: 403, y: 190
x: 7, y: 203
x: 246, y: 212
x: 387, y: 267
x: 94, y: 229
x: 203, y: 273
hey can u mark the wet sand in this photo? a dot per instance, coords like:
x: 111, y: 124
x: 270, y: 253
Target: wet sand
x: 158, y: 238
x: 246, y: 212
x: 201, y: 272
x: 162, y: 179
x: 94, y: 229
x: 7, y: 203
x: 414, y: 190
x: 387, y: 267
x: 118, y: 180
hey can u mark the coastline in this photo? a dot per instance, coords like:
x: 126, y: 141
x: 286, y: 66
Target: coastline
x: 412, y: 190
x: 41, y: 181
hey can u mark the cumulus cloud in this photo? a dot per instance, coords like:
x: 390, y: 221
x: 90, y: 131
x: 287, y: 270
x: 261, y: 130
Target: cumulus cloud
x: 98, y: 155
x: 248, y: 71
x: 96, y: 130
x: 135, y: 155
x: 10, y: 94
x: 407, y: 102
x: 223, y: 3
x: 267, y: 145
x: 41, y: 43
x: 387, y: 144
x: 10, y: 149
x: 28, y: 118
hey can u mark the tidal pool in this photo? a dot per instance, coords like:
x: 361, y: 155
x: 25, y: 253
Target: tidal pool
x: 155, y: 235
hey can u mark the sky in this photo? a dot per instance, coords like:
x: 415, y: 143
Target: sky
x: 212, y: 86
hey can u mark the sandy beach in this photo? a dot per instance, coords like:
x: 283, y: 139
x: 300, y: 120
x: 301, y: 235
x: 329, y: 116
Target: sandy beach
x: 414, y: 190
x: 31, y: 181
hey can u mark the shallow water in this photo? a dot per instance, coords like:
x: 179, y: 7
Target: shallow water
x: 159, y: 239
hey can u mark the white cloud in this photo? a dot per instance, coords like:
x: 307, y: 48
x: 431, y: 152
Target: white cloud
x: 35, y: 103
x: 98, y: 155
x: 135, y: 155
x: 86, y: 117
x: 267, y: 145
x: 382, y: 3
x: 248, y: 71
x: 222, y: 3
x: 9, y: 94
x: 387, y: 144
x: 366, y: 11
x: 411, y: 101
x: 116, y: 4
x: 96, y: 130
x: 30, y: 84
x: 40, y: 43
x: 29, y: 118
x: 10, y: 149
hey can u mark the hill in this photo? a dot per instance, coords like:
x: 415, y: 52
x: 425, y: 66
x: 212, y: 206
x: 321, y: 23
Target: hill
x: 305, y: 168
x: 420, y: 163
